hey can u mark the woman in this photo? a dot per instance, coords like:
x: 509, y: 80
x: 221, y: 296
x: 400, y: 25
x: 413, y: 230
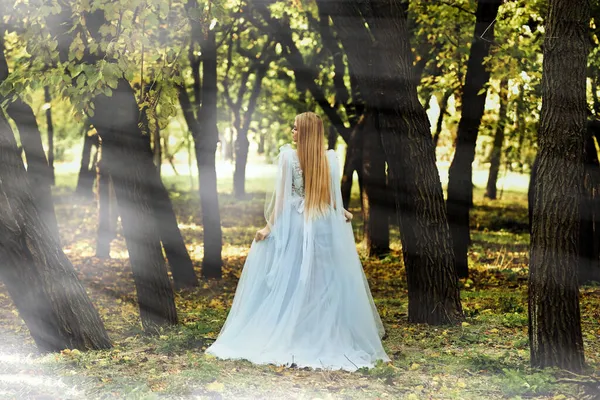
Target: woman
x: 303, y: 298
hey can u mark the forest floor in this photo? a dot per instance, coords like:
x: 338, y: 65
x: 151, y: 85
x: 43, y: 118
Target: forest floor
x: 486, y: 357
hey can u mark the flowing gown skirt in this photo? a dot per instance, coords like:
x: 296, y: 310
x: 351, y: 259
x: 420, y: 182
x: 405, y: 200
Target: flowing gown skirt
x: 304, y: 300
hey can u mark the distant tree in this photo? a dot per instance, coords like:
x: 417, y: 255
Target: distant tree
x: 460, y: 174
x: 496, y: 154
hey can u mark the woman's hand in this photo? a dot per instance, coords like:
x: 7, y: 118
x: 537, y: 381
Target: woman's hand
x: 348, y: 215
x: 262, y: 234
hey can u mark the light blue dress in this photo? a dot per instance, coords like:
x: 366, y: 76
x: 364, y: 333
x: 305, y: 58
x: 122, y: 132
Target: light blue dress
x: 303, y: 298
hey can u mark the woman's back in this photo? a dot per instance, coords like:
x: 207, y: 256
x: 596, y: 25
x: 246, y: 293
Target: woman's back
x: 298, y: 191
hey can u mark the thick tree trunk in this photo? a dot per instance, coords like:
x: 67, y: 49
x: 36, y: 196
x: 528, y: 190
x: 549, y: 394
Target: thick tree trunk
x: 87, y: 174
x: 405, y: 133
x: 496, y: 155
x: 39, y: 277
x: 127, y: 157
x: 386, y: 79
x: 440, y: 120
x: 460, y: 174
x: 374, y: 194
x: 50, y: 127
x: 38, y: 170
x: 554, y: 318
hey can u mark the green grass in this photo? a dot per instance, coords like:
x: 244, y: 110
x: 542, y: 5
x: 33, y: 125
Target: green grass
x: 485, y: 357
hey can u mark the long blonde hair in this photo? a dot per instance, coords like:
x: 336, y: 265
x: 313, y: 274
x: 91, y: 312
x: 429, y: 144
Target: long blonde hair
x: 313, y: 161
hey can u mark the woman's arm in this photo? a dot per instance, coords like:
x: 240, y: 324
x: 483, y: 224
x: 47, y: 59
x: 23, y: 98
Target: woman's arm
x: 279, y: 197
x: 348, y: 215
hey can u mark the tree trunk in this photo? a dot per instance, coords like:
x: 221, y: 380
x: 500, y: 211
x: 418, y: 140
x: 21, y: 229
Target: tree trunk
x: 241, y: 159
x: 460, y: 179
x: 127, y: 156
x: 374, y: 193
x: 434, y: 296
x: 440, y: 120
x: 261, y: 144
x: 242, y: 143
x: 50, y: 127
x: 554, y: 319
x: 38, y: 170
x: 386, y: 80
x: 208, y: 193
x: 353, y: 162
x: 87, y: 174
x: 39, y: 277
x: 173, y: 244
x: 182, y: 268
x: 490, y: 191
x: 206, y: 146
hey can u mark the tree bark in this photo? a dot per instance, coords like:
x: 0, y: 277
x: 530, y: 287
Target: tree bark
x: 460, y: 179
x: 496, y: 155
x: 554, y: 318
x: 39, y: 277
x: 386, y: 77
